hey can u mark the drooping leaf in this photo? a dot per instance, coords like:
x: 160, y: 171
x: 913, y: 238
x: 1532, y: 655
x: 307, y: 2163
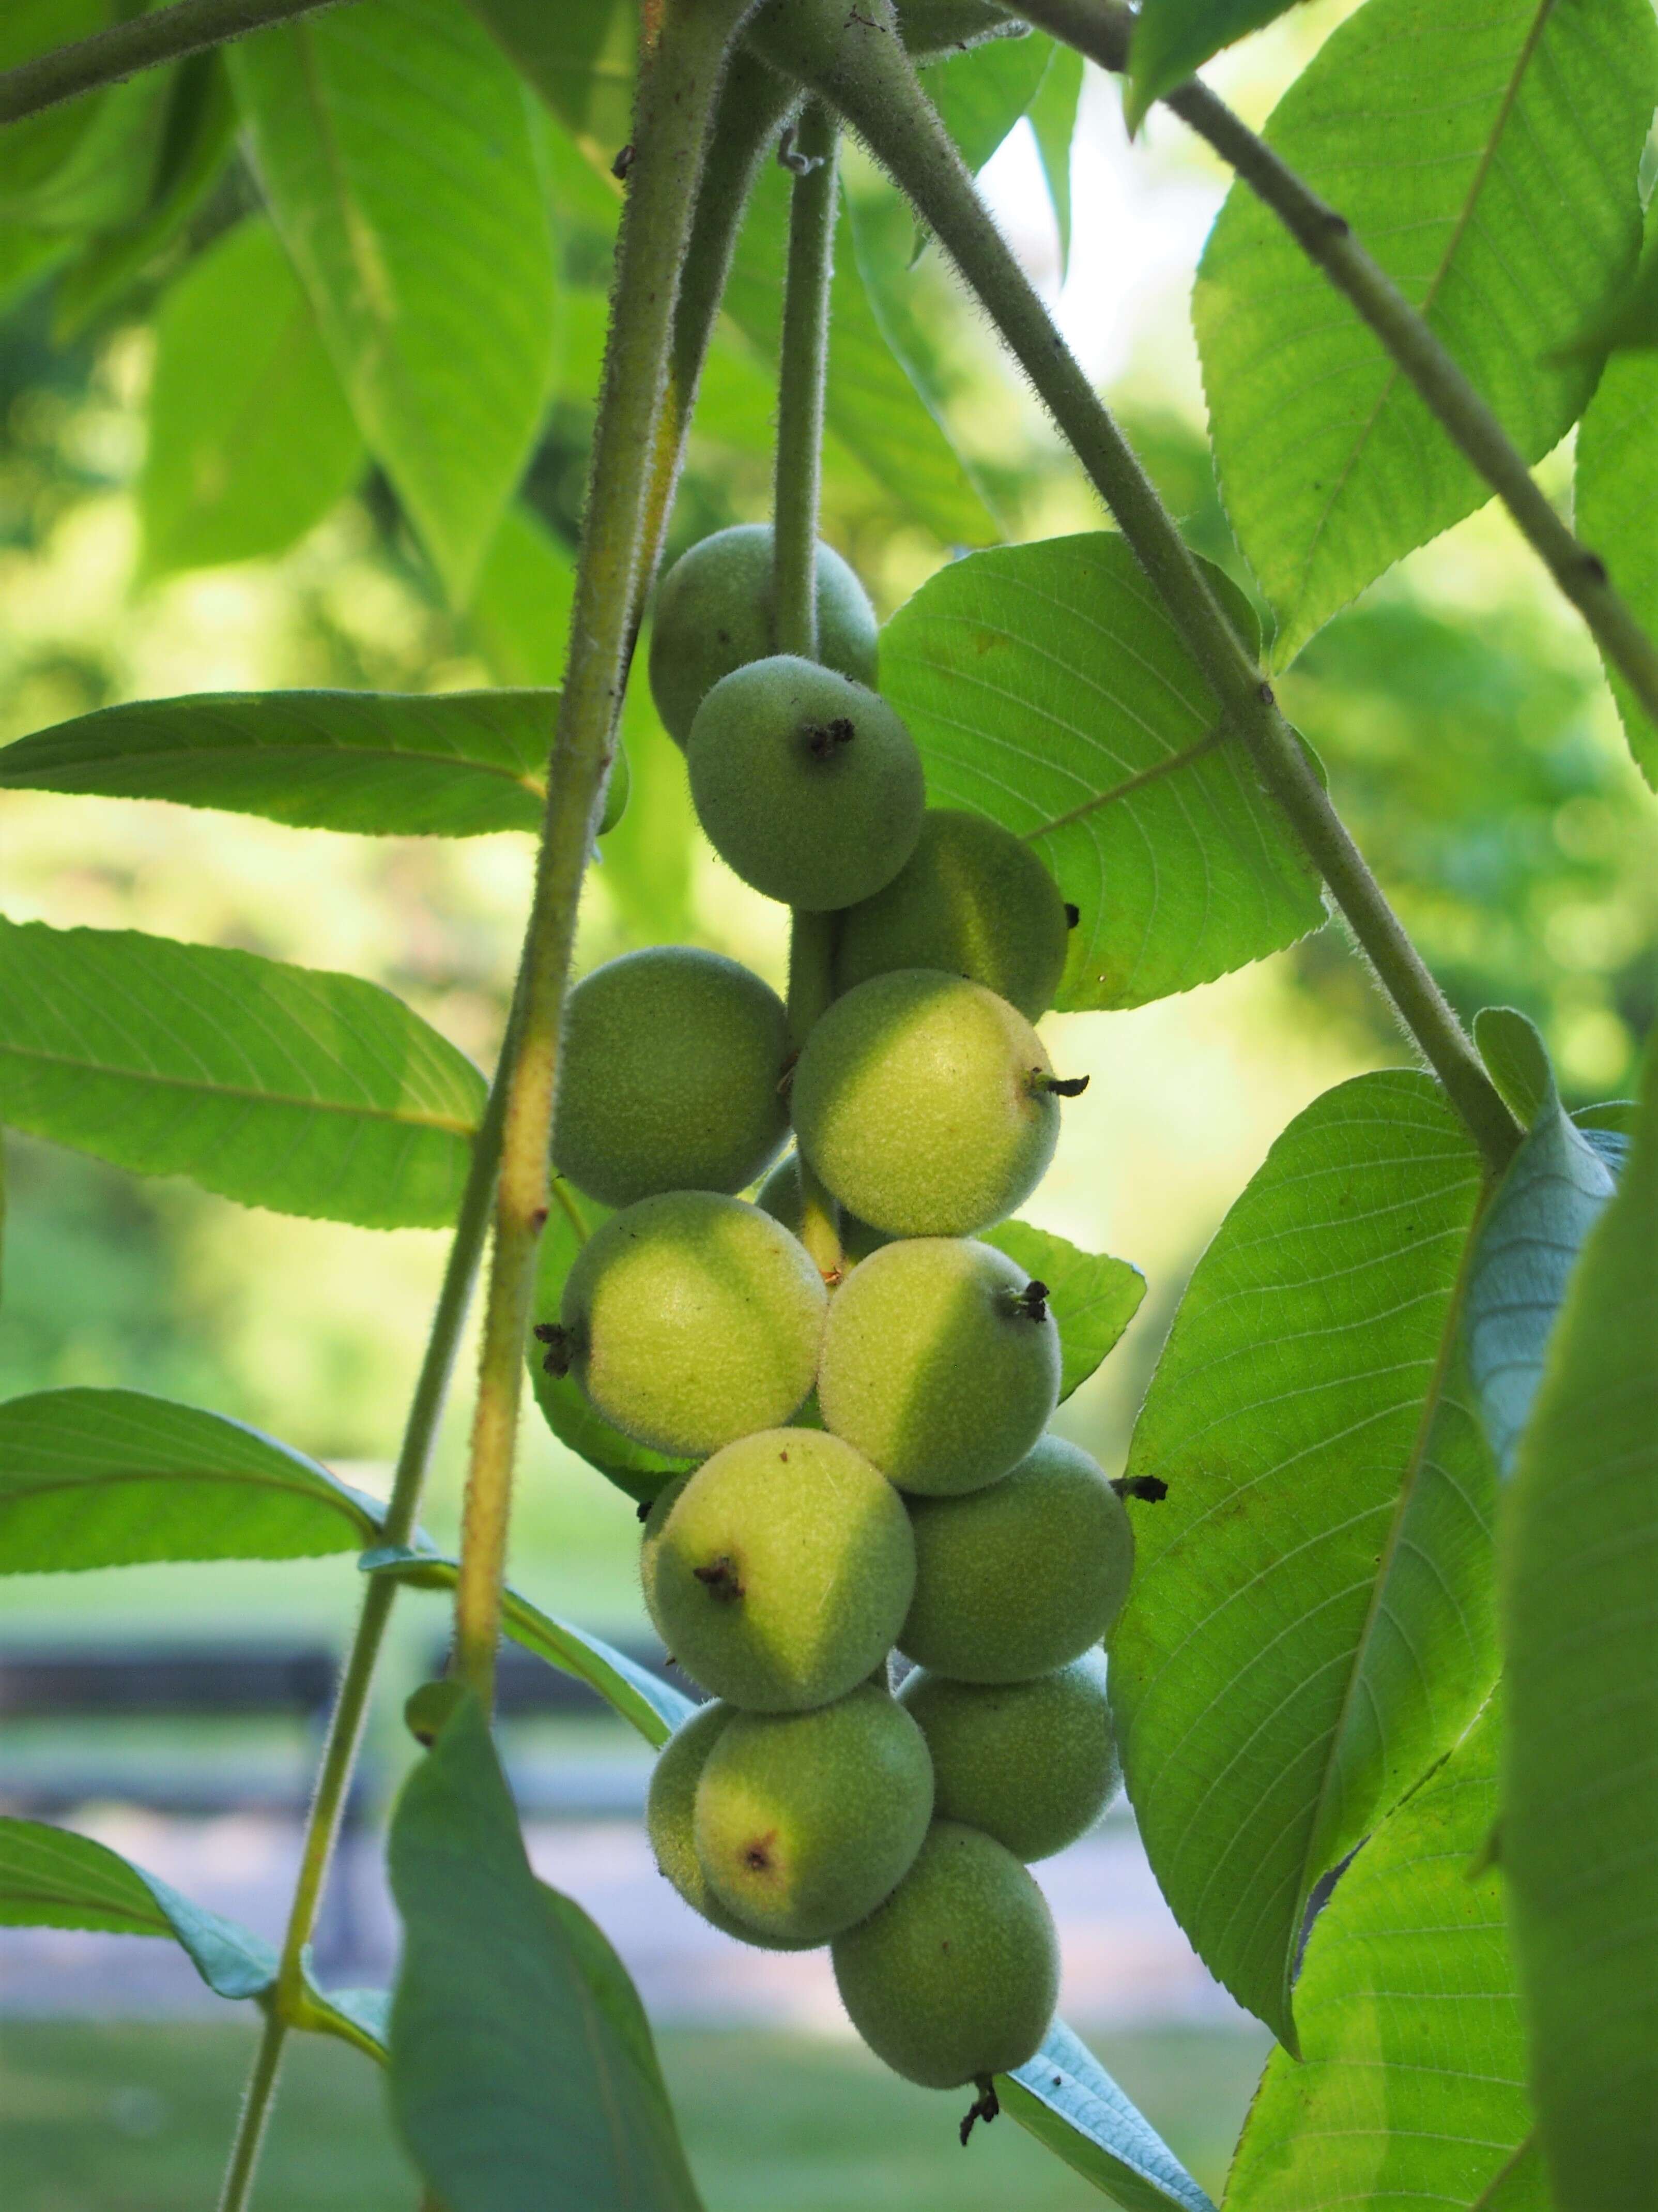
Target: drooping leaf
x: 109, y: 1477
x: 564, y: 1404
x: 1579, y: 1780
x: 50, y: 1877
x: 394, y: 146
x: 1068, y: 2101
x: 521, y: 2067
x: 1489, y: 163
x: 1053, y: 122
x: 580, y: 56
x: 982, y: 94
x: 380, y: 764
x: 1093, y: 1297
x: 1617, y: 493
x: 286, y: 1087
x: 654, y: 1707
x: 1412, y: 2085
x: 1309, y: 1626
x: 1047, y: 689
x: 358, y: 2017
x: 250, y: 438
x: 1174, y: 38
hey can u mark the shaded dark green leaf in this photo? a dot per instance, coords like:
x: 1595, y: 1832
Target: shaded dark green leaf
x: 580, y: 59
x: 1093, y: 1297
x: 982, y: 94
x: 1174, y: 38
x: 1616, y: 497
x: 1068, y: 2101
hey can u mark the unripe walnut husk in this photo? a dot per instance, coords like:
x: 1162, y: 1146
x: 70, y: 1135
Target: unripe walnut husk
x: 670, y: 1817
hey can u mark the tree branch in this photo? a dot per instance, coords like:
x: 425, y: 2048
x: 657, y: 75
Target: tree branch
x: 143, y: 43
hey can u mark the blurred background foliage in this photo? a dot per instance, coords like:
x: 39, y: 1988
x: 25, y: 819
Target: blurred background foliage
x: 1467, y: 732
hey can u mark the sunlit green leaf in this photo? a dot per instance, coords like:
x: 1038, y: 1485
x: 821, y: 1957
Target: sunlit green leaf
x: 1093, y: 1297
x: 1309, y: 1626
x: 981, y: 95
x: 393, y: 142
x: 109, y: 1477
x: 1048, y: 689
x: 250, y: 438
x: 1579, y: 1782
x: 1054, y: 121
x: 1489, y: 162
x: 1068, y: 2101
x: 1174, y: 38
x: 522, y: 2070
x: 1617, y: 496
x: 286, y: 1087
x: 1412, y: 2086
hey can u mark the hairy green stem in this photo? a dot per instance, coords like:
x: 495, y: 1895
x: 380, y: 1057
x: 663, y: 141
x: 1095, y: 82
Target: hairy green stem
x: 802, y: 370
x: 143, y: 43
x: 1101, y: 29
x: 675, y: 111
x: 857, y: 61
x: 257, y: 2101
x: 811, y: 987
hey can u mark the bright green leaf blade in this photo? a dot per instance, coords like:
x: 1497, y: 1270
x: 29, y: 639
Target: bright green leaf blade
x: 516, y: 2075
x: 1580, y: 1783
x: 654, y: 1707
x: 1173, y: 38
x: 1553, y: 1192
x: 52, y: 1878
x: 1489, y: 163
x: 286, y: 1087
x: 1068, y: 2101
x: 250, y: 438
x: 1047, y: 689
x: 580, y: 58
x: 565, y: 1406
x: 393, y: 143
x: 1516, y: 1060
x: 109, y: 1478
x: 982, y: 94
x: 1054, y: 120
x: 1617, y: 496
x: 1412, y: 2086
x: 1092, y: 1296
x: 519, y: 617
x: 381, y: 763
x: 1309, y: 1624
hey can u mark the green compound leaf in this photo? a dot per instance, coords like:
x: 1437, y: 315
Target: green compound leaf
x: 394, y: 146
x: 52, y: 1878
x: 522, y: 2070
x: 1068, y: 2101
x: 1489, y: 163
x: 654, y: 1707
x: 1310, y: 1621
x: 1411, y: 2089
x: 250, y: 439
x: 110, y: 1478
x: 1617, y: 496
x: 1047, y: 689
x: 380, y: 763
x: 288, y: 1087
x: 1093, y: 1297
x: 565, y: 1406
x: 1580, y: 1781
x: 1174, y: 38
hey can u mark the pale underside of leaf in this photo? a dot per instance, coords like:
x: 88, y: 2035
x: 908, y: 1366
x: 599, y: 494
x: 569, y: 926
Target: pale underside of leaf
x: 1067, y: 2100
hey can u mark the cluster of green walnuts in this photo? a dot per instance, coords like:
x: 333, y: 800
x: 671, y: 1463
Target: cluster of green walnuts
x: 874, y: 1474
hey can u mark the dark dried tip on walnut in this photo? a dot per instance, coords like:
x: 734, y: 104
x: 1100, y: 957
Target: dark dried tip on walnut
x: 643, y: 1510
x: 1151, y: 1487
x: 985, y: 2106
x: 719, y: 1578
x: 1059, y: 1086
x: 623, y: 162
x: 825, y: 739
x: 1032, y: 1301
x: 1073, y: 914
x: 561, y: 1348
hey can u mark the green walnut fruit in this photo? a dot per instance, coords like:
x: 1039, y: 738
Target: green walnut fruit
x: 670, y: 1815
x: 690, y: 1318
x: 957, y: 1974
x: 716, y: 610
x: 670, y: 1076
x: 971, y: 900
x: 805, y: 1821
x: 780, y: 1196
x: 1022, y: 1577
x: 807, y: 784
x: 1032, y: 1764
x: 779, y: 1573
x: 940, y: 1362
x: 927, y: 1104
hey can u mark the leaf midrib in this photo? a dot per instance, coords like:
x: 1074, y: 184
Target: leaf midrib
x: 27, y: 1492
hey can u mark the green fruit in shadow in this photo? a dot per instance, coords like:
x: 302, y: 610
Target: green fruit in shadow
x: 940, y: 1362
x: 1022, y: 1577
x: 957, y: 1974
x: 778, y: 1572
x: 669, y: 1811
x: 716, y: 610
x: 1032, y: 1764
x: 668, y: 1076
x: 925, y: 1104
x: 780, y: 1196
x: 972, y: 900
x: 690, y: 1320
x: 808, y: 785
x: 805, y: 1821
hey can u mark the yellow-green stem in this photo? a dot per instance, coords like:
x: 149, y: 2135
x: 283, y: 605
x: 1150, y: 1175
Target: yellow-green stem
x: 803, y: 373
x: 811, y: 987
